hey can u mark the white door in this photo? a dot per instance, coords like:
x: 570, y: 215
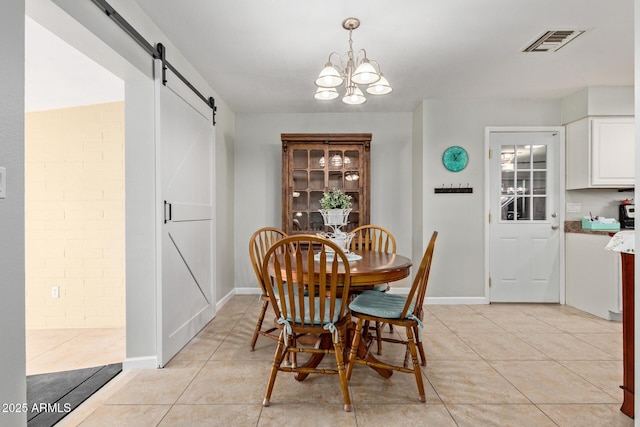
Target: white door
x: 185, y: 146
x: 525, y: 215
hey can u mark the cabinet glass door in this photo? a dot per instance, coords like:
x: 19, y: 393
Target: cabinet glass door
x: 316, y: 163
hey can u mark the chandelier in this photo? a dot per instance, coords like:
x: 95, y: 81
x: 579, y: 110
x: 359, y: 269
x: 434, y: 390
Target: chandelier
x: 356, y: 70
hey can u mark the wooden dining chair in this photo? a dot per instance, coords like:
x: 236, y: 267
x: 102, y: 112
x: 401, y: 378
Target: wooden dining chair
x: 310, y: 304
x: 401, y: 311
x: 259, y: 244
x: 374, y: 238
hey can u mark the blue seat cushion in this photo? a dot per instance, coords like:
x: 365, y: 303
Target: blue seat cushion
x: 316, y: 317
x: 379, y: 304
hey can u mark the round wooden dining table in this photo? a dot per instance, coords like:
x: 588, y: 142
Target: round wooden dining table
x: 370, y: 268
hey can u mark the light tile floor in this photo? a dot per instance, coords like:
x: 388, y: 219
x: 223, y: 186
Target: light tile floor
x: 55, y: 350
x: 488, y: 365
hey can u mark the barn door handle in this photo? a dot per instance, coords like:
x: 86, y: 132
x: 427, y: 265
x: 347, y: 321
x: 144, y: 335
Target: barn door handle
x: 167, y: 212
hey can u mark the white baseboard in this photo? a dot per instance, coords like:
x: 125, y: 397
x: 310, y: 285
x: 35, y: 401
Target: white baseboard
x: 148, y: 362
x: 225, y: 299
x: 248, y: 291
x: 444, y: 300
x: 456, y: 300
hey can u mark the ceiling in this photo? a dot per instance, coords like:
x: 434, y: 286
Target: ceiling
x: 59, y: 76
x: 263, y: 56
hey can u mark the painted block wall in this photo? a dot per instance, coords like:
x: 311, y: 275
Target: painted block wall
x: 74, y: 214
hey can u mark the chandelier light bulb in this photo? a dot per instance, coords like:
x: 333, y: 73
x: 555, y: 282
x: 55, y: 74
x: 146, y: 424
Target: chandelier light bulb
x: 329, y: 77
x: 365, y: 73
x: 354, y: 96
x: 381, y: 87
x: 326, y: 93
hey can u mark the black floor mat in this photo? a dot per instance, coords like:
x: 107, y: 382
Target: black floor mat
x: 52, y: 396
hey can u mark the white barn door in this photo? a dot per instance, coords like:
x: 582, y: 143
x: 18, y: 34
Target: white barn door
x: 185, y: 138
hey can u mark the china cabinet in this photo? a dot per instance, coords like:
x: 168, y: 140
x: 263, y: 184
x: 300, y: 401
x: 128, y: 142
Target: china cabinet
x: 315, y: 163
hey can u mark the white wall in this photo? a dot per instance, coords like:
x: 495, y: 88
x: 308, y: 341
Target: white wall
x: 417, y: 188
x: 224, y: 210
x: 458, y: 265
x: 599, y: 202
x: 258, y: 172
x: 12, y: 262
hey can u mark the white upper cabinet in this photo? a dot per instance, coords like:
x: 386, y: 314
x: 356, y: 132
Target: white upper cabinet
x: 600, y: 153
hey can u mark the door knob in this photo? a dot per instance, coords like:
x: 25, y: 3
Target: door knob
x: 554, y: 215
x: 555, y: 227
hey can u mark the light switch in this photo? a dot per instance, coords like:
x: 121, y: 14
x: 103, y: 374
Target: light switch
x: 3, y: 183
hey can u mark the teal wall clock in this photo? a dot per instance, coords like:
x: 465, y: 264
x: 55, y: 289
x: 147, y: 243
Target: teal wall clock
x: 455, y: 158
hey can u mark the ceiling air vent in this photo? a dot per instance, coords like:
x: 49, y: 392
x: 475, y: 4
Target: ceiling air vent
x: 552, y: 41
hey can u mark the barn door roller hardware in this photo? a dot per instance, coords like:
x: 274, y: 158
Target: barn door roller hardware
x: 157, y: 53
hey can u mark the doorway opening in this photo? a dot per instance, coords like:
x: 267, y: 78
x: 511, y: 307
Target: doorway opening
x: 74, y: 208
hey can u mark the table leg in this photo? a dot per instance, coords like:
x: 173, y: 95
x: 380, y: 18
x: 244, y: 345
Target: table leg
x: 324, y: 342
x: 365, y: 354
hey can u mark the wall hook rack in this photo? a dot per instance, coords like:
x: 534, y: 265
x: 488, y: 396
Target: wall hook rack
x: 453, y: 189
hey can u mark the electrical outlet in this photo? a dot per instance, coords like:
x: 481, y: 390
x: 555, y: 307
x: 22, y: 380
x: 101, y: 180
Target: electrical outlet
x: 55, y: 292
x: 574, y: 207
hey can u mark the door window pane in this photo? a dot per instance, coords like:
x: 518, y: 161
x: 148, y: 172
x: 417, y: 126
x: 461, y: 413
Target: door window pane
x: 523, y: 208
x: 540, y: 182
x: 507, y: 210
x: 539, y: 153
x: 523, y: 183
x: 523, y: 156
x: 507, y: 157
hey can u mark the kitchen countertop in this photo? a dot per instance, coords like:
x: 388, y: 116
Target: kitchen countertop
x: 576, y: 227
